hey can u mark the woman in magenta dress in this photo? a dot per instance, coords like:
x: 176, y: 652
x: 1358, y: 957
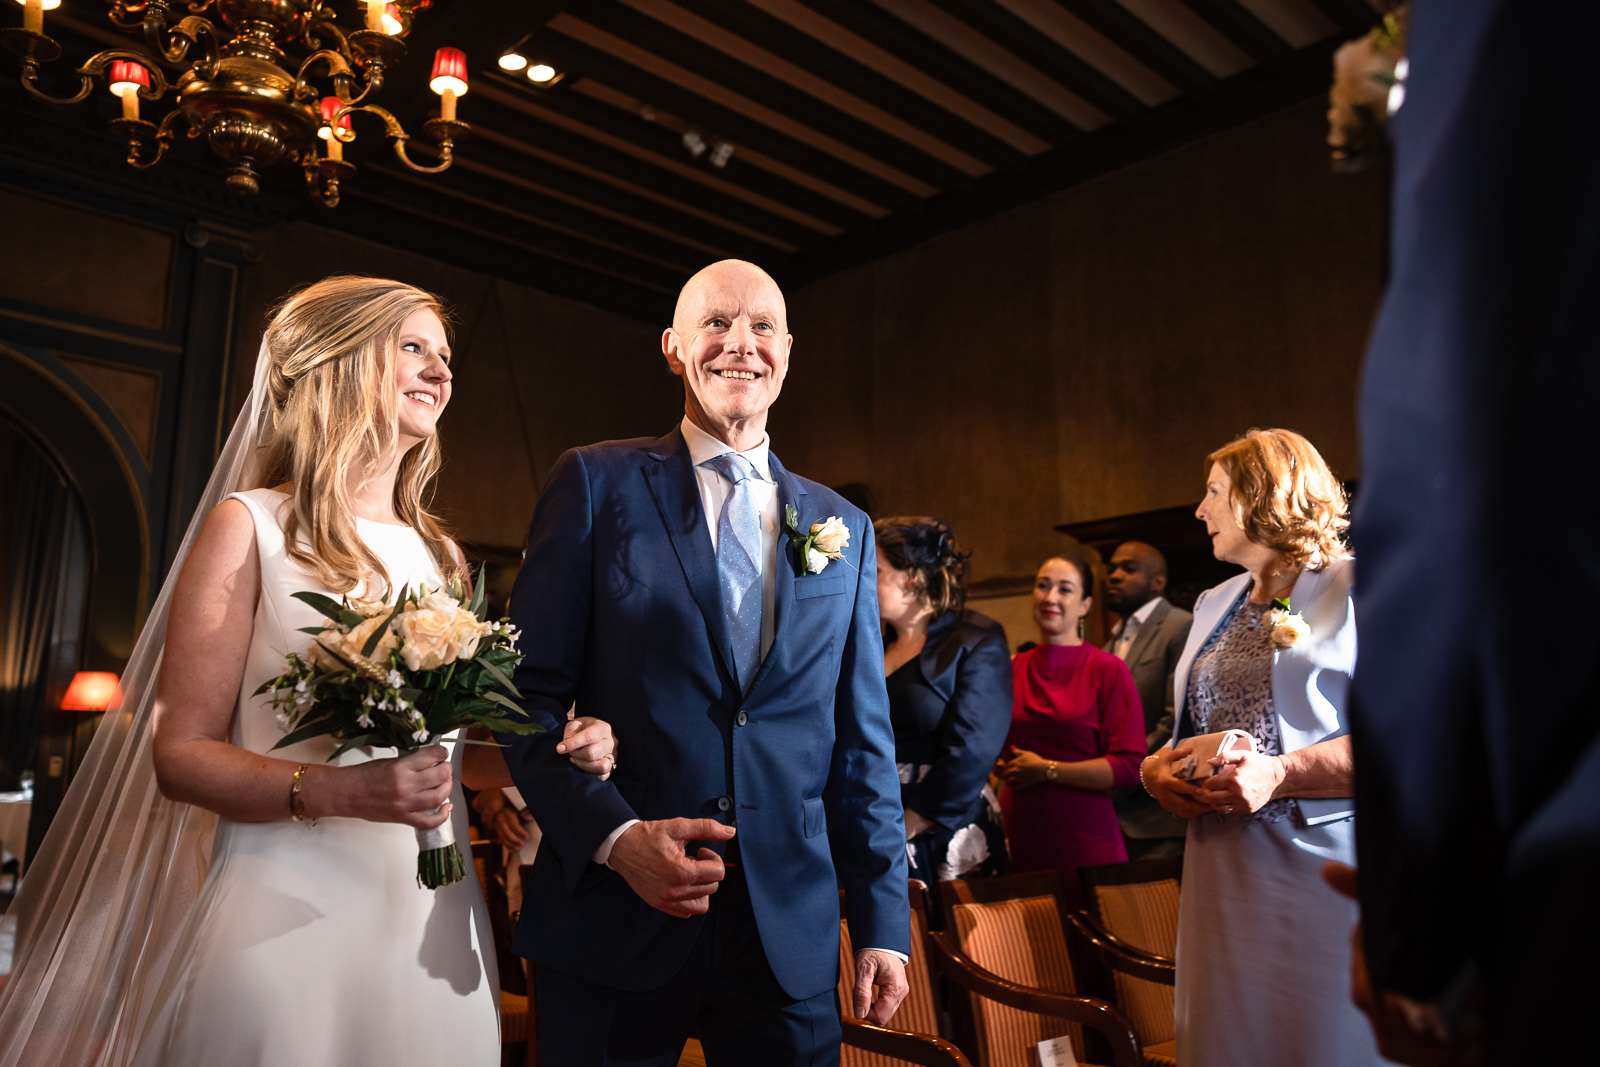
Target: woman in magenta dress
x: 1077, y: 731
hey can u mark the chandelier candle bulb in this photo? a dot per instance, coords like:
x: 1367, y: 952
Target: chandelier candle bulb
x: 375, y: 16
x: 33, y: 13
x: 390, y: 22
x: 333, y: 132
x: 449, y: 80
x: 127, y: 78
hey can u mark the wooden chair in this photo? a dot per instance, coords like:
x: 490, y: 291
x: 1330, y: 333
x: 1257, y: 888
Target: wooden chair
x: 1131, y: 920
x: 518, y: 1026
x: 1005, y: 944
x: 915, y: 1034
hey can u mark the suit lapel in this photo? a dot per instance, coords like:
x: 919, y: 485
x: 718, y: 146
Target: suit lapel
x: 1147, y: 631
x: 670, y: 476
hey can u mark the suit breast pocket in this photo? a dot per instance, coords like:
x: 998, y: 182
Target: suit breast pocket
x: 818, y: 585
x: 816, y: 816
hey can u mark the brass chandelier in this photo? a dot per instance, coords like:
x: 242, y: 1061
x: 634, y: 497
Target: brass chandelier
x: 237, y: 84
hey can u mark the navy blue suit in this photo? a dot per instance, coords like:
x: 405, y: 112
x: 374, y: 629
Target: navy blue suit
x: 1477, y: 529
x: 620, y: 609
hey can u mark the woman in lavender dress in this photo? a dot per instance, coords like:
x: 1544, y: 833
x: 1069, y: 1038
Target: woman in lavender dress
x: 1263, y: 944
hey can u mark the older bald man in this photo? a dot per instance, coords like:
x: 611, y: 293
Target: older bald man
x: 665, y: 590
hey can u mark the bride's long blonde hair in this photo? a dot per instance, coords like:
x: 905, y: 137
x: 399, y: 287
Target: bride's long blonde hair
x: 335, y: 414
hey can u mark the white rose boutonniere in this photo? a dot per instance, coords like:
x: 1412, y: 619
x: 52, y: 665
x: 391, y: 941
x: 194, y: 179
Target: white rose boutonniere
x: 1288, y: 628
x: 818, y: 546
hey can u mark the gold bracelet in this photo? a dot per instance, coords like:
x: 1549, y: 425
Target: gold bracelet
x: 1142, y: 765
x: 297, y: 804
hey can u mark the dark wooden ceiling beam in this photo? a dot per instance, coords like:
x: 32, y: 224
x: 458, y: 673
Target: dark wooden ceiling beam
x: 1353, y: 17
x: 378, y: 220
x: 1235, y: 22
x: 1237, y: 100
x: 1134, y: 36
x: 860, y: 80
x: 774, y: 94
x: 634, y: 207
x: 479, y: 207
x: 519, y: 201
x: 935, y: 59
x: 628, y: 126
x: 582, y: 60
x: 1041, y: 53
x: 561, y: 142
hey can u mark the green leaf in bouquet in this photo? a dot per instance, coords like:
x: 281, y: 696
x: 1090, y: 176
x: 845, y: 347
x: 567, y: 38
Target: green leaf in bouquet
x: 441, y: 709
x: 378, y: 632
x: 318, y: 727
x: 505, y: 702
x: 499, y: 675
x: 479, y: 605
x: 314, y: 631
x: 331, y: 608
x: 512, y: 726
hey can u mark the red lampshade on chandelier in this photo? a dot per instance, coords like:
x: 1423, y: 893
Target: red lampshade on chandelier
x: 231, y: 82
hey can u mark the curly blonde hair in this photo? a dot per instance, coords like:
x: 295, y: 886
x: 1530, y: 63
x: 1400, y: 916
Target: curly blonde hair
x: 335, y: 412
x: 1285, y: 497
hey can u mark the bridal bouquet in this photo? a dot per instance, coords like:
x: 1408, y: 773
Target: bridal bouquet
x: 402, y: 676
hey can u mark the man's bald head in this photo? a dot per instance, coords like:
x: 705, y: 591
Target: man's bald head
x: 729, y: 341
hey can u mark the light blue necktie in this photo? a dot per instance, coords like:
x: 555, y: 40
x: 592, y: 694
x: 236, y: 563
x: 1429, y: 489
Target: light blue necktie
x: 738, y: 548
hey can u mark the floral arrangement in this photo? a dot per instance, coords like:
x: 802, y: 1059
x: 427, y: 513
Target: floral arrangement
x: 1368, y: 85
x: 1288, y: 628
x: 814, y: 549
x: 402, y: 676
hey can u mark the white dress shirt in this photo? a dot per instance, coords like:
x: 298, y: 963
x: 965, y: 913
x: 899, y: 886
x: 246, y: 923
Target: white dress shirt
x: 1128, y: 628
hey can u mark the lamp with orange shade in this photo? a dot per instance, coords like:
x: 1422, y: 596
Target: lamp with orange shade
x: 92, y: 691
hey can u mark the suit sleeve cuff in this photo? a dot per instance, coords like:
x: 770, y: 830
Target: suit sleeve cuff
x: 603, y: 854
x: 901, y: 956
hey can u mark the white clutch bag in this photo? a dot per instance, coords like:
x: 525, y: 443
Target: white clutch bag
x: 1197, y: 764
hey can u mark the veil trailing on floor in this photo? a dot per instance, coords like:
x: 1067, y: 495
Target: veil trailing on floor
x: 98, y: 914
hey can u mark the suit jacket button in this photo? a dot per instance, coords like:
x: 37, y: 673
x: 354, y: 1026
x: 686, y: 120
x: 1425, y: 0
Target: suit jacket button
x: 741, y: 718
x: 724, y: 803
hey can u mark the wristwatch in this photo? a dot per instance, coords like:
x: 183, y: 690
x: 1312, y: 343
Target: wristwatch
x: 1050, y: 771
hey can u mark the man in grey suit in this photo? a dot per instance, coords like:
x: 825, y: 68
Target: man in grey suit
x: 1149, y: 637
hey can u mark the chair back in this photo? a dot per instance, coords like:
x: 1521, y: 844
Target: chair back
x: 1014, y: 926
x: 919, y: 1012
x: 1138, y: 904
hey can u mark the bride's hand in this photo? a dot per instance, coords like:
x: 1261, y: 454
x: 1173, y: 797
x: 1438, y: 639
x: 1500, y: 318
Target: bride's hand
x: 591, y: 746
x: 413, y: 789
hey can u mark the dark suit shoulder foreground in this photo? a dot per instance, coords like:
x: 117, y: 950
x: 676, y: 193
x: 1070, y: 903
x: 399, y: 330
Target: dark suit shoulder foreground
x: 620, y: 607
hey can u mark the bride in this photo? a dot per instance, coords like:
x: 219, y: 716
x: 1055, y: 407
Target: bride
x: 309, y: 940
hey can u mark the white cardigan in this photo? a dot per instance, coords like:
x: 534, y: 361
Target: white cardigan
x: 1310, y: 681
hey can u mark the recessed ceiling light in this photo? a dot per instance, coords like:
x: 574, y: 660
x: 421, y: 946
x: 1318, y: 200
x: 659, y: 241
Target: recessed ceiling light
x: 513, y: 62
x: 542, y: 73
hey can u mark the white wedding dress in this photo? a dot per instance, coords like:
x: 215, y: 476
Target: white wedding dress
x: 315, y: 945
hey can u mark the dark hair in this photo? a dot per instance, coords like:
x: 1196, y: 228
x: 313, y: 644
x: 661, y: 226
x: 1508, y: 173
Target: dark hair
x: 926, y: 549
x: 1085, y: 572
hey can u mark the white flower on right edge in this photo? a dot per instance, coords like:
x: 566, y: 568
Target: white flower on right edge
x: 815, y: 560
x: 1288, y: 628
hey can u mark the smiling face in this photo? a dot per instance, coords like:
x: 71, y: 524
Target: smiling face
x: 1229, y: 542
x: 730, y: 342
x: 422, y: 371
x: 1059, y: 602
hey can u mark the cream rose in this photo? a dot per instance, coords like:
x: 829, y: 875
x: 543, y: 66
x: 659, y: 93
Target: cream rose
x: 349, y: 645
x: 427, y: 635
x: 1288, y: 630
x: 831, y: 536
x: 815, y: 561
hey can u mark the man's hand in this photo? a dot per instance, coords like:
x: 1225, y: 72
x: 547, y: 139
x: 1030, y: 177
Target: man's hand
x: 880, y: 985
x: 653, y: 858
x: 591, y: 746
x: 1406, y: 1032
